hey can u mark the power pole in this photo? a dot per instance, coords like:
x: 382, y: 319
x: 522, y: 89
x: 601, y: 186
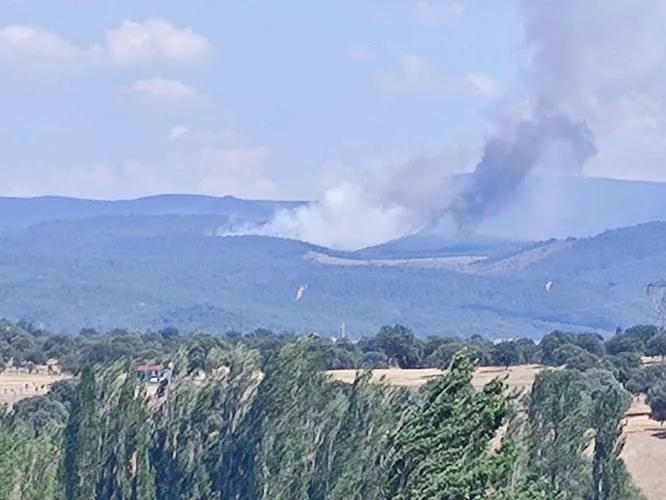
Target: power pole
x: 656, y: 290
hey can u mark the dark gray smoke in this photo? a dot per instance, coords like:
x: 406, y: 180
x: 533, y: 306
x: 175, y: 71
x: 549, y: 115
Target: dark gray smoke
x: 585, y: 61
x: 507, y: 161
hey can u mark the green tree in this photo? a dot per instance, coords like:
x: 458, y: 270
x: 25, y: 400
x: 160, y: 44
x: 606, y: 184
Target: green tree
x: 609, y: 476
x: 506, y: 354
x: 558, y: 422
x: 656, y: 398
x: 81, y: 441
x: 656, y: 346
x: 399, y: 345
x: 441, y: 449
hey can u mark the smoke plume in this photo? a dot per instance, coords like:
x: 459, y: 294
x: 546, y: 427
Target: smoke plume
x: 593, y: 79
x: 581, y: 56
x: 375, y: 203
x: 507, y: 161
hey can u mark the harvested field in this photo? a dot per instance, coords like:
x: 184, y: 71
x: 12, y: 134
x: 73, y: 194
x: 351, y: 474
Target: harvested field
x: 645, y: 448
x: 518, y: 376
x: 17, y: 385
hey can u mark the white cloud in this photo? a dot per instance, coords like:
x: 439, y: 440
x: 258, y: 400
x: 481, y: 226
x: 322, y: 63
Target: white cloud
x: 163, y: 89
x: 438, y: 12
x: 154, y: 40
x: 239, y: 171
x: 128, y: 180
x: 413, y: 73
x: 39, y: 48
x: 483, y: 85
x: 360, y: 54
x: 633, y: 146
x: 177, y: 132
x: 196, y: 161
x: 222, y: 135
x: 213, y: 171
x: 132, y: 43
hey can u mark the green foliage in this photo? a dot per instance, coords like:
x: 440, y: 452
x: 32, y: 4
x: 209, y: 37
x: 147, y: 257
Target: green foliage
x: 657, y: 401
x: 81, y: 440
x: 644, y: 378
x: 656, y: 346
x: 255, y: 417
x: 273, y: 426
x: 558, y: 420
x: 441, y: 449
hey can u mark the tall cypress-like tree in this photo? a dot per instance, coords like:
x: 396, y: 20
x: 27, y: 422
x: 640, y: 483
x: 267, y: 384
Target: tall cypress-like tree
x: 359, y: 449
x: 610, y: 479
x: 12, y: 449
x: 39, y: 475
x: 292, y: 420
x: 441, y: 449
x: 559, y: 423
x: 81, y: 441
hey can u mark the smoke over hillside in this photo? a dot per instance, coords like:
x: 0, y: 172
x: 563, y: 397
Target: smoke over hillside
x: 507, y: 161
x: 592, y: 78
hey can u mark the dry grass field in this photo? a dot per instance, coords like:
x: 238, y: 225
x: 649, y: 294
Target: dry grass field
x: 645, y: 449
x: 17, y: 385
x: 518, y: 376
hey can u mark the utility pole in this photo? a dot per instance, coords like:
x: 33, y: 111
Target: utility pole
x: 656, y: 290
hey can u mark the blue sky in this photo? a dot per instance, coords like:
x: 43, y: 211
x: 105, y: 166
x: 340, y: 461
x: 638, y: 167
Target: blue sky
x: 278, y: 99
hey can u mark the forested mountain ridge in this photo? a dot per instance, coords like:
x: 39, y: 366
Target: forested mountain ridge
x: 577, y: 206
x: 171, y: 270
x: 17, y: 213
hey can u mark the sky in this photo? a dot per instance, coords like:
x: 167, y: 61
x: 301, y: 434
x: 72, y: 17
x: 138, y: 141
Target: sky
x: 275, y: 99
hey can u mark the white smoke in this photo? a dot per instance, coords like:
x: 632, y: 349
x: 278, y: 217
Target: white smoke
x: 379, y: 202
x: 348, y: 217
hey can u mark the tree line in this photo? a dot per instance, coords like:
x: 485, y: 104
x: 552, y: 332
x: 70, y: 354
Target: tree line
x: 24, y: 345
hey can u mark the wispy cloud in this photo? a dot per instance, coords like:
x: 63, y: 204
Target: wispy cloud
x: 38, y: 48
x: 483, y: 84
x: 438, y: 12
x: 162, y: 89
x: 414, y: 74
x: 155, y: 40
x: 360, y: 54
x: 132, y: 43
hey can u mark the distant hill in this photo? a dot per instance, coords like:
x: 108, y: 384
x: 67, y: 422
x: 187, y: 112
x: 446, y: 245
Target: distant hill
x: 17, y: 213
x: 558, y: 207
x: 148, y: 271
x: 582, y: 206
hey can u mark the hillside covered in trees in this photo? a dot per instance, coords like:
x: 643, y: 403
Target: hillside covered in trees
x: 151, y: 271
x: 255, y: 417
